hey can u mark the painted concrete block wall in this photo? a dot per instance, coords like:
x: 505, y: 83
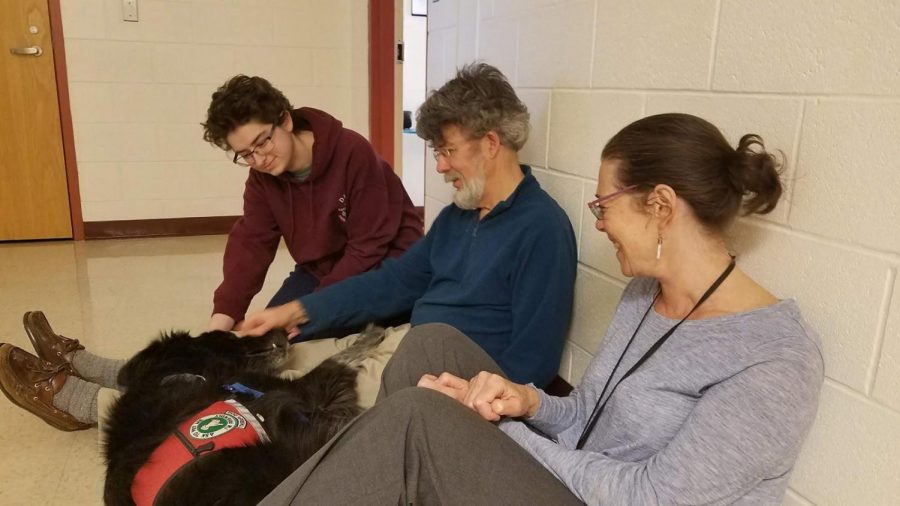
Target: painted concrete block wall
x: 139, y: 92
x: 820, y: 81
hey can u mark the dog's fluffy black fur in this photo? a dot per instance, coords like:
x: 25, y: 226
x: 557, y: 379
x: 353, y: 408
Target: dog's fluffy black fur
x: 178, y: 375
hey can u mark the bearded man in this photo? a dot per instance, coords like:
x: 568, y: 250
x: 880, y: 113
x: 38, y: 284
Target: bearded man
x: 498, y: 265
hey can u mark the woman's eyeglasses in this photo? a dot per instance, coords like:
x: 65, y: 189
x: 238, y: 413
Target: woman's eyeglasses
x: 596, y: 206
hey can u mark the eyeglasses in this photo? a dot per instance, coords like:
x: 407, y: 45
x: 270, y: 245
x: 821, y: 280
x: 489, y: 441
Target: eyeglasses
x: 596, y: 205
x: 262, y: 148
x: 447, y: 153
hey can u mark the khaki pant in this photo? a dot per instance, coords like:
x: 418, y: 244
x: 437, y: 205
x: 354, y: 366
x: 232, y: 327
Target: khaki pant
x: 304, y: 357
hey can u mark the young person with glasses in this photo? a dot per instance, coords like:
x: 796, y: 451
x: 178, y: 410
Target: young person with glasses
x: 702, y: 390
x: 481, y: 269
x: 320, y: 187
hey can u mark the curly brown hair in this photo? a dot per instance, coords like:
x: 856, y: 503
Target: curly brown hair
x: 237, y: 102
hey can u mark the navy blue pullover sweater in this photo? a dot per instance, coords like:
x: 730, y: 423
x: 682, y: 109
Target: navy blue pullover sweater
x: 506, y: 281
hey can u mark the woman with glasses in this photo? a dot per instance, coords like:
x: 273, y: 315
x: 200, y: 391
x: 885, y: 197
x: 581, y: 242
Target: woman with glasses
x: 338, y: 206
x: 701, y: 392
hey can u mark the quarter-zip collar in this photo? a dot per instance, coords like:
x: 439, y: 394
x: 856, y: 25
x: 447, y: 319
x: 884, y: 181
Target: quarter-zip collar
x: 527, y: 184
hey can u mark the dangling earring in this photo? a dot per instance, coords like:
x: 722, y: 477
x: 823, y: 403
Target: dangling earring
x: 658, y: 246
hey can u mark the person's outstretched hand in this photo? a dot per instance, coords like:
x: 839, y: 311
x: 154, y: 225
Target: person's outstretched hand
x: 219, y: 321
x: 287, y: 316
x: 490, y: 395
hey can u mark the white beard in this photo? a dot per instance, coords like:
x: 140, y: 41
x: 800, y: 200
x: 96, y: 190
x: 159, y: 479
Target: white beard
x: 469, y: 196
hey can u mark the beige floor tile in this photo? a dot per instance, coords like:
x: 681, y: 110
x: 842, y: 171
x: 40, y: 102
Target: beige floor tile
x: 79, y: 476
x: 114, y: 296
x: 32, y: 453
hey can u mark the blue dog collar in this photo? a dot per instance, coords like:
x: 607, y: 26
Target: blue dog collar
x: 239, y: 388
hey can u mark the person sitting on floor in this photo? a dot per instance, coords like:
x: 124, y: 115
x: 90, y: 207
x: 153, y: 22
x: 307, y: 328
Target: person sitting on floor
x: 481, y: 268
x: 339, y: 207
x: 702, y: 391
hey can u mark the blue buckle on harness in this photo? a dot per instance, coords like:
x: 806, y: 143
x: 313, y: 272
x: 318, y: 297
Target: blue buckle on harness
x: 239, y: 388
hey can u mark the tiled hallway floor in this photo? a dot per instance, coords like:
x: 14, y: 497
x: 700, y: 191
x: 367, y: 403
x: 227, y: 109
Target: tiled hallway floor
x: 114, y: 296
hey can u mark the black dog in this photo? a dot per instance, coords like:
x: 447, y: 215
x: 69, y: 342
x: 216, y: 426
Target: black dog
x: 178, y: 376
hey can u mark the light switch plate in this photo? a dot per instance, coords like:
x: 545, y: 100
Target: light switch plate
x: 129, y: 10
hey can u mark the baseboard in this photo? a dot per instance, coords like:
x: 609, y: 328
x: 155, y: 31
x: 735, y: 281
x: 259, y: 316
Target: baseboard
x: 167, y: 227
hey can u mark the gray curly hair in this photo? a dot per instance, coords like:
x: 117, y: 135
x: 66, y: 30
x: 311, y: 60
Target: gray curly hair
x: 478, y: 100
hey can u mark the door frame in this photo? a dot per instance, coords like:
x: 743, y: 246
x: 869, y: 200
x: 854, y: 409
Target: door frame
x: 65, y: 119
x: 382, y: 67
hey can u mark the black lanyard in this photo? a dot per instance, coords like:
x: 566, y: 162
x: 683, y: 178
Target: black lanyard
x: 598, y: 408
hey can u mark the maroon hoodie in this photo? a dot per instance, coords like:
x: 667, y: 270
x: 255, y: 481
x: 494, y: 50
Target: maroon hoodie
x: 349, y: 214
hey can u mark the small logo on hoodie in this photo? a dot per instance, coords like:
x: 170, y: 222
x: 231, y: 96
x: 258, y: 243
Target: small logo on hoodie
x: 342, y: 208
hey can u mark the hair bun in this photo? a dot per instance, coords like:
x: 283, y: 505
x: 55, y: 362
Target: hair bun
x: 755, y: 173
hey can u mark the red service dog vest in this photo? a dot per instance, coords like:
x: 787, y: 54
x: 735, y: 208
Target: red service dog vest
x: 224, y: 424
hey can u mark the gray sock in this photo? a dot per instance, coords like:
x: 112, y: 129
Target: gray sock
x: 102, y: 371
x: 79, y: 399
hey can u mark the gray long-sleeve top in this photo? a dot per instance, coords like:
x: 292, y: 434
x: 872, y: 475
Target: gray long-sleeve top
x: 716, y: 416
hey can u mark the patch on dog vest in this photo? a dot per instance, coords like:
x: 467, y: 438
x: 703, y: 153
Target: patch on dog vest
x: 211, y: 426
x: 223, y: 424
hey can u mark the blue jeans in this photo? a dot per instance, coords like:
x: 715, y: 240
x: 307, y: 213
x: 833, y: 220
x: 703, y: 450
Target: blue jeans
x: 300, y: 283
x: 296, y: 285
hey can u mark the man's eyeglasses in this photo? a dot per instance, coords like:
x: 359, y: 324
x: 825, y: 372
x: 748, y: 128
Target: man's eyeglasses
x: 596, y: 206
x: 445, y: 152
x: 262, y: 148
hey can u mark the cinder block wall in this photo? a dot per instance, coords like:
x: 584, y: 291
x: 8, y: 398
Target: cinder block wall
x: 139, y: 92
x: 818, y: 80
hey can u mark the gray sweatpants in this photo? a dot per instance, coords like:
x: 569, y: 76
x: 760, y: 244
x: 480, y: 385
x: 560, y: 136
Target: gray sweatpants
x: 417, y: 446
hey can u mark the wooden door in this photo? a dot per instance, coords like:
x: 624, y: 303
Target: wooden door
x: 34, y: 200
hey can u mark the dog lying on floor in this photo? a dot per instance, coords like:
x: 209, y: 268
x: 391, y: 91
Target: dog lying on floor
x: 206, y: 419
